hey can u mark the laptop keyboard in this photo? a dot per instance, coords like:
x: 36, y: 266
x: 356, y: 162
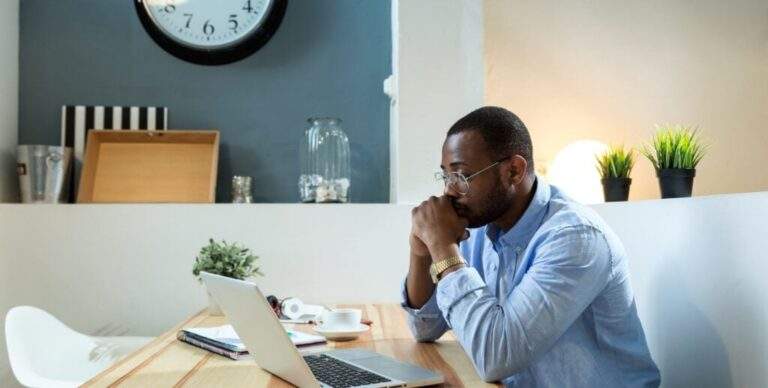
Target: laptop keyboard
x: 339, y: 374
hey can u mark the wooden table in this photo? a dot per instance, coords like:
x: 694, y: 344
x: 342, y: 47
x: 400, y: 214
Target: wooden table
x: 167, y: 362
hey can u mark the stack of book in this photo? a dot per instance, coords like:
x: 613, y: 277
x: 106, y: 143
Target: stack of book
x: 223, y: 340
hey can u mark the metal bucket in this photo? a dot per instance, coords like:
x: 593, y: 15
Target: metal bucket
x: 43, y: 173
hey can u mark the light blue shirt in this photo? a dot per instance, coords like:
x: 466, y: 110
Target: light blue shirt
x: 548, y: 303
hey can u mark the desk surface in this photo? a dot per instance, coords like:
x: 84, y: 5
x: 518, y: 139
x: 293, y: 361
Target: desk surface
x: 167, y: 362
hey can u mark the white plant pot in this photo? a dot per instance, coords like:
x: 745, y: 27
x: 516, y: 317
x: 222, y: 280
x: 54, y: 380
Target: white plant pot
x: 213, y: 307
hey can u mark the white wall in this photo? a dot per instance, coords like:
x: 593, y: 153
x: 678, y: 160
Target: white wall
x: 698, y: 268
x: 439, y: 78
x: 610, y: 70
x: 9, y: 98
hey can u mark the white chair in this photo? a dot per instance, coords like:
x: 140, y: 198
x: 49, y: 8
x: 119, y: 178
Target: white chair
x: 44, y: 352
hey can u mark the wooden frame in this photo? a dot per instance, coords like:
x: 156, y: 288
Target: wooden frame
x: 149, y: 167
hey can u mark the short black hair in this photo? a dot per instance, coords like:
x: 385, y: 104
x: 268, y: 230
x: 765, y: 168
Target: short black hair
x: 504, y: 133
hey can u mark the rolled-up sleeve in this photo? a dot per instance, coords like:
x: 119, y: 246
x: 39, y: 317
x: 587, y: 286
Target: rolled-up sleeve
x: 427, y: 323
x: 570, y: 268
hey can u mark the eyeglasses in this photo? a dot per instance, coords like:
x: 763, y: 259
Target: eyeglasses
x: 458, y: 182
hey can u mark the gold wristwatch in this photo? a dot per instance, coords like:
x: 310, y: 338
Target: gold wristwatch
x: 439, y: 267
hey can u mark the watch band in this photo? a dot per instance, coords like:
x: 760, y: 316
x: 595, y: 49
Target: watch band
x: 439, y: 267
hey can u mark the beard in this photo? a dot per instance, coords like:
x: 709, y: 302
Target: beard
x: 490, y: 207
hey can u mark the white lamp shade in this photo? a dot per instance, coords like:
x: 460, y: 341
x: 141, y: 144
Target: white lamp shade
x: 574, y: 171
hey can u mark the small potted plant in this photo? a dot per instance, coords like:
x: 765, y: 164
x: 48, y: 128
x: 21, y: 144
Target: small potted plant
x: 675, y: 151
x: 230, y: 260
x: 615, y: 166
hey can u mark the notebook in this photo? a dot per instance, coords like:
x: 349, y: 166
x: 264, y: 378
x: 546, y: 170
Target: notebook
x: 225, y: 337
x: 184, y: 337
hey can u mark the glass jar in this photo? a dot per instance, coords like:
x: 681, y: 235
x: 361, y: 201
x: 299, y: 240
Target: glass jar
x: 325, y: 165
x: 241, y: 189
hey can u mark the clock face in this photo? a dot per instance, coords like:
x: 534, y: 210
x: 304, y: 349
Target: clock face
x: 211, y: 32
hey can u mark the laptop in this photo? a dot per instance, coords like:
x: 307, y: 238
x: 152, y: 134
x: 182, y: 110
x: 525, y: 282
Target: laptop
x: 267, y: 341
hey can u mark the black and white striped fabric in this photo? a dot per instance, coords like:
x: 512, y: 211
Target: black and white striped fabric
x: 78, y: 120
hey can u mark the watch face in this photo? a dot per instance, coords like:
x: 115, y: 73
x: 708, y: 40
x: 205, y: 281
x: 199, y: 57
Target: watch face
x: 208, y: 31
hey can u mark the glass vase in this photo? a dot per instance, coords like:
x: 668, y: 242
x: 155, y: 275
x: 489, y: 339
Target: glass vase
x: 325, y: 162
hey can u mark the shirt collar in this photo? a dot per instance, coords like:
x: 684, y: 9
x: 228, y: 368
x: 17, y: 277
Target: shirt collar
x: 529, y: 222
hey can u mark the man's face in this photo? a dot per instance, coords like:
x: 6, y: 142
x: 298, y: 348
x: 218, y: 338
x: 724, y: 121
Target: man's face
x: 488, y: 197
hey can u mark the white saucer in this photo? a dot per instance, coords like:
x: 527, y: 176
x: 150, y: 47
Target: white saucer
x: 341, y: 334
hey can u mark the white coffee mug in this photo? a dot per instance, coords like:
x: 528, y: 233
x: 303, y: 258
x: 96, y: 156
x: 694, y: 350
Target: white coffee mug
x: 341, y: 319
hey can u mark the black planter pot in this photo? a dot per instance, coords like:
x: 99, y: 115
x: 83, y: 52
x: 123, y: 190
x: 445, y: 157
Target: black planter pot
x: 676, y: 182
x: 616, y: 189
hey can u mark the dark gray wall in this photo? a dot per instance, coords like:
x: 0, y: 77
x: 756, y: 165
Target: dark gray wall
x: 328, y: 58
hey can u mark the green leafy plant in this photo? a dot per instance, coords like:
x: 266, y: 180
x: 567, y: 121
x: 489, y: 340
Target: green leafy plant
x: 230, y: 260
x: 675, y: 146
x: 616, y: 162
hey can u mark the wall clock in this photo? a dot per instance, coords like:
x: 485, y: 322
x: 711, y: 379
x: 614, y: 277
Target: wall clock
x: 211, y: 32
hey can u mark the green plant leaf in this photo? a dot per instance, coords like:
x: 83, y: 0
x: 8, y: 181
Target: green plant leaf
x: 230, y: 260
x: 675, y: 146
x: 616, y: 162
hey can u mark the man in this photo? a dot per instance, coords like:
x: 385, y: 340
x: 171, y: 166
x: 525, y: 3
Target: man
x: 544, y: 297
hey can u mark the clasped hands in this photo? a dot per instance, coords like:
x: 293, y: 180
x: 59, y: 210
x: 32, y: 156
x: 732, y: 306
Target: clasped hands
x: 436, y: 229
